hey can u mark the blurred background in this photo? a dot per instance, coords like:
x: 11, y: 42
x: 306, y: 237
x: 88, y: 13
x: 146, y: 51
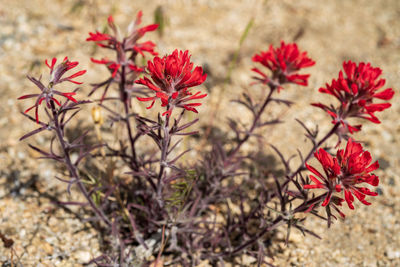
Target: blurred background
x: 222, y: 36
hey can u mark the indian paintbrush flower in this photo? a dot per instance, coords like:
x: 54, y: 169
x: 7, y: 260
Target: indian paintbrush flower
x: 127, y: 44
x: 48, y: 93
x: 344, y: 173
x: 284, y: 62
x: 356, y: 90
x: 171, y: 79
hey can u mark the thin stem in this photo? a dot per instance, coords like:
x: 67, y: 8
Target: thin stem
x: 71, y: 167
x: 279, y: 220
x: 255, y: 122
x: 304, y: 206
x: 164, y: 150
x: 313, y: 149
x: 162, y: 246
x: 125, y: 99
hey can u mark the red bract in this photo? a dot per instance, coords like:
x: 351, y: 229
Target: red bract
x: 344, y: 172
x: 124, y: 68
x: 284, y: 63
x: 47, y: 93
x: 128, y: 43
x: 145, y: 47
x: 172, y: 76
x: 111, y: 65
x: 61, y: 69
x: 356, y: 90
x: 98, y: 37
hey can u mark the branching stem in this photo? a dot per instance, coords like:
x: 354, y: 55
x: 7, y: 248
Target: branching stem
x: 255, y: 123
x: 71, y: 167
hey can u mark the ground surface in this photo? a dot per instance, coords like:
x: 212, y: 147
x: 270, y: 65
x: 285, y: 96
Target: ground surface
x: 331, y: 31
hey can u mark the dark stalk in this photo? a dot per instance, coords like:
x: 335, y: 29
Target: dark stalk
x: 313, y: 149
x: 255, y: 122
x: 125, y: 99
x: 164, y: 152
x: 280, y: 219
x: 71, y: 167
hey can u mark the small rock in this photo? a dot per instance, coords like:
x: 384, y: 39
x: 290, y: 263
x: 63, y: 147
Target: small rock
x: 157, y: 263
x: 22, y: 234
x: 392, y: 254
x: 296, y: 237
x: 83, y: 256
x: 248, y: 260
x: 47, y: 248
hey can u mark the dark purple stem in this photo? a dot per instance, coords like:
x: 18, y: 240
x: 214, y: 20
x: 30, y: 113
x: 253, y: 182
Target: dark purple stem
x: 274, y: 224
x: 125, y: 99
x: 313, y: 149
x: 279, y: 220
x: 71, y: 167
x: 255, y: 122
x: 164, y: 150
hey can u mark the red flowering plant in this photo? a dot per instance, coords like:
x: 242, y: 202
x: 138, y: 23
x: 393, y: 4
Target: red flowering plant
x: 124, y: 69
x: 49, y: 92
x: 344, y: 173
x: 59, y: 114
x: 356, y: 91
x: 145, y: 198
x: 284, y: 62
x: 351, y: 166
x: 173, y: 76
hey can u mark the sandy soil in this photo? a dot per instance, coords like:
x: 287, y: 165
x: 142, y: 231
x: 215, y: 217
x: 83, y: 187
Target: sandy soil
x: 331, y: 31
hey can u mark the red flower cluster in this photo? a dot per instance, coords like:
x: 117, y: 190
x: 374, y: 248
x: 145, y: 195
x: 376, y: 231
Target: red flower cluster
x: 356, y: 91
x: 48, y: 93
x: 125, y: 45
x: 61, y: 69
x: 284, y: 63
x: 172, y: 76
x: 344, y: 172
